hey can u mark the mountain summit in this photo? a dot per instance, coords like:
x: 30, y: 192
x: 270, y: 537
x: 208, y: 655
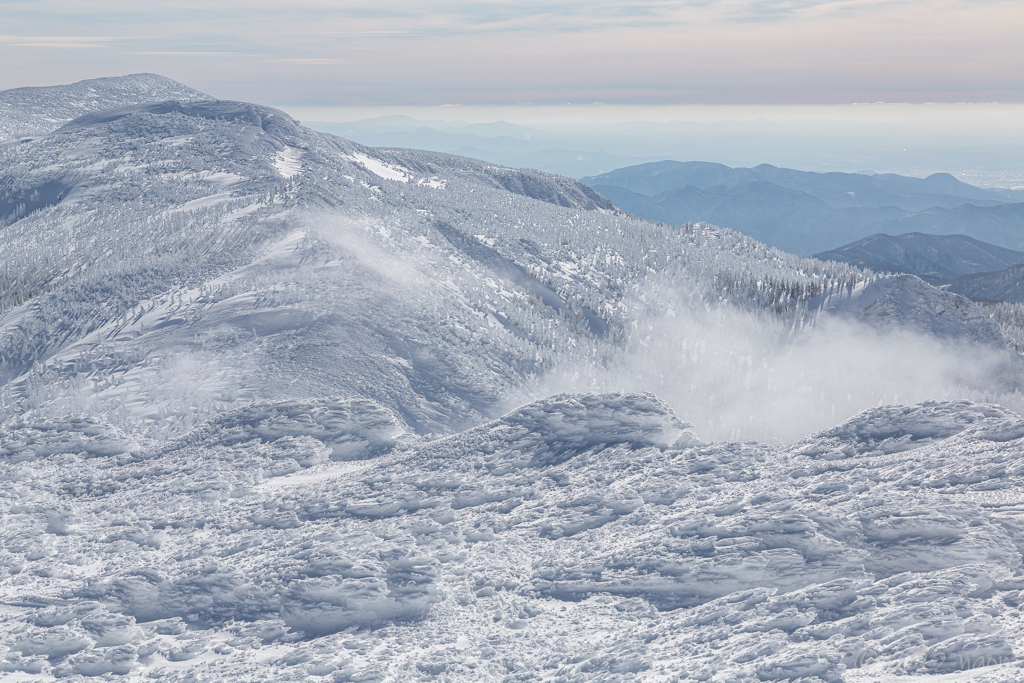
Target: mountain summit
x: 26, y: 112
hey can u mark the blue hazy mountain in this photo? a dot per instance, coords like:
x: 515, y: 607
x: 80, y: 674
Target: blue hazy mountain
x: 555, y: 145
x: 805, y: 212
x: 935, y: 258
x: 978, y: 270
x: 1001, y: 224
x: 1004, y: 285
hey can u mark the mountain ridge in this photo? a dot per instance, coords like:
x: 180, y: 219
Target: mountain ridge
x: 936, y: 258
x: 112, y: 179
x: 805, y: 212
x: 39, y: 110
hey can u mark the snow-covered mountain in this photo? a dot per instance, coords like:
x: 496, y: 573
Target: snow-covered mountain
x: 279, y: 406
x: 196, y: 256
x: 28, y: 112
x: 906, y: 302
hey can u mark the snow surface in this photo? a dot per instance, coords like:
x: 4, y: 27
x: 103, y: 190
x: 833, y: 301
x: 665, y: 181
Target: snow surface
x: 585, y: 537
x: 258, y: 427
x: 382, y: 169
x: 288, y: 162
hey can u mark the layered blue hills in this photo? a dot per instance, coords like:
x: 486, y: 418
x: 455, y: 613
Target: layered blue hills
x: 805, y: 212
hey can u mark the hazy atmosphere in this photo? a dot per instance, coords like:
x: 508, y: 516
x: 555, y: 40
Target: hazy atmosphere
x: 731, y: 52
x: 982, y: 144
x: 612, y: 63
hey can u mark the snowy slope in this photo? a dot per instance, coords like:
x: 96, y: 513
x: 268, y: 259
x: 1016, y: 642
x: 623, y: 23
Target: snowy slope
x: 908, y: 302
x: 170, y: 261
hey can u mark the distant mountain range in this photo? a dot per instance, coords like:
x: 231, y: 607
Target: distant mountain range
x: 805, y: 212
x: 580, y: 141
x: 980, y: 271
x: 937, y: 259
x: 1004, y: 285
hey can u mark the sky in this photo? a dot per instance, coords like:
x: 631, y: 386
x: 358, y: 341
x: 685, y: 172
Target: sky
x: 390, y: 53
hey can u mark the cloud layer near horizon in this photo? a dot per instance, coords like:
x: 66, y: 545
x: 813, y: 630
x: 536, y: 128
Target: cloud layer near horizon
x: 398, y: 52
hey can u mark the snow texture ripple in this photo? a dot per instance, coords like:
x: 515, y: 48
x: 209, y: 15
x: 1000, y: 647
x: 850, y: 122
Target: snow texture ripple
x: 582, y: 537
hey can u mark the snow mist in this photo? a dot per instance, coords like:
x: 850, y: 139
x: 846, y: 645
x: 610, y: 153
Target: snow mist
x: 740, y: 375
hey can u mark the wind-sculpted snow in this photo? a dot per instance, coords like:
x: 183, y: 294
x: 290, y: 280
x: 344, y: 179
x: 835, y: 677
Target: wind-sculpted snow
x: 82, y: 435
x: 886, y: 546
x: 352, y: 429
x: 893, y: 429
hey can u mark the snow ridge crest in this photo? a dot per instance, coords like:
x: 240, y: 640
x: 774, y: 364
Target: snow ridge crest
x: 553, y: 430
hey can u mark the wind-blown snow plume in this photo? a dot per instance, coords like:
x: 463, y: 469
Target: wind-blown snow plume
x: 741, y: 374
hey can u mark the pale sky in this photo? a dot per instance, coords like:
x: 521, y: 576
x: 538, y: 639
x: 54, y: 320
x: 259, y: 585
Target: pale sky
x: 395, y: 52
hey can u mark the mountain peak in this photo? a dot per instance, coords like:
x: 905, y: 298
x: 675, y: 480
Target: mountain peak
x: 30, y: 112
